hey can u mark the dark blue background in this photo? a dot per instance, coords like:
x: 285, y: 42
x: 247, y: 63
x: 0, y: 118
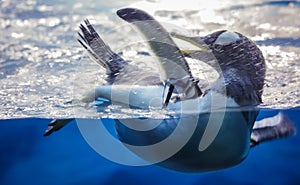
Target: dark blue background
x: 26, y: 157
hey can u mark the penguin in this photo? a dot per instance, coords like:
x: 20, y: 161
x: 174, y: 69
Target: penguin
x: 263, y: 130
x: 224, y: 115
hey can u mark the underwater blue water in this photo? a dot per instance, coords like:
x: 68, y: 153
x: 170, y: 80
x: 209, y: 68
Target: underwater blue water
x: 27, y: 157
x: 39, y: 53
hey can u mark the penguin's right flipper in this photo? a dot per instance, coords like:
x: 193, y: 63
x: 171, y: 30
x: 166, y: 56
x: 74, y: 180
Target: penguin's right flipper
x: 55, y: 125
x: 276, y: 127
x: 173, y: 65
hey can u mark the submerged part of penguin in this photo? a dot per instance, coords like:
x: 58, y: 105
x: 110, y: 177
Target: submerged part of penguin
x: 208, y: 130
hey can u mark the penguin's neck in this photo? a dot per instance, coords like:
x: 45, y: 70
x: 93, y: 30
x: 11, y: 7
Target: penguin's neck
x: 236, y: 84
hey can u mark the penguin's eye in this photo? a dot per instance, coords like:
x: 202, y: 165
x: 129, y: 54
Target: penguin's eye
x: 217, y: 47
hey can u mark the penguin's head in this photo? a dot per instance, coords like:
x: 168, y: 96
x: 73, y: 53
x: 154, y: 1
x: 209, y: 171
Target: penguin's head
x: 241, y: 63
x: 233, y: 50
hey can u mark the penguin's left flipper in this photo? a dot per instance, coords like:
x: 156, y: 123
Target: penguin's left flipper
x: 55, y: 125
x: 276, y: 127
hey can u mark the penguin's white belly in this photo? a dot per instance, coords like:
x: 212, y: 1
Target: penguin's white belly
x: 143, y: 97
x: 208, y: 133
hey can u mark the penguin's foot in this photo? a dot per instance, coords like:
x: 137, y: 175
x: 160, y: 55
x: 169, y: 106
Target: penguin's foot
x: 55, y: 125
x: 276, y: 127
x: 100, y: 52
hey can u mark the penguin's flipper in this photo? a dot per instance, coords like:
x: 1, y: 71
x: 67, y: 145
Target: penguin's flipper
x: 279, y: 126
x: 55, y: 125
x: 99, y: 51
x: 174, y: 68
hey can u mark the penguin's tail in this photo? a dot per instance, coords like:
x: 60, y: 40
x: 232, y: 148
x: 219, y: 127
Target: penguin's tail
x: 279, y: 126
x: 99, y: 51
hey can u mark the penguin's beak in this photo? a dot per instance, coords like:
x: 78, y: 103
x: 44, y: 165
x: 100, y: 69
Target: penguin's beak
x: 201, y: 51
x: 199, y: 44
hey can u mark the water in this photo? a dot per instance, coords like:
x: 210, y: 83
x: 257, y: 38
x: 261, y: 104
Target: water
x: 64, y: 158
x: 41, y: 64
